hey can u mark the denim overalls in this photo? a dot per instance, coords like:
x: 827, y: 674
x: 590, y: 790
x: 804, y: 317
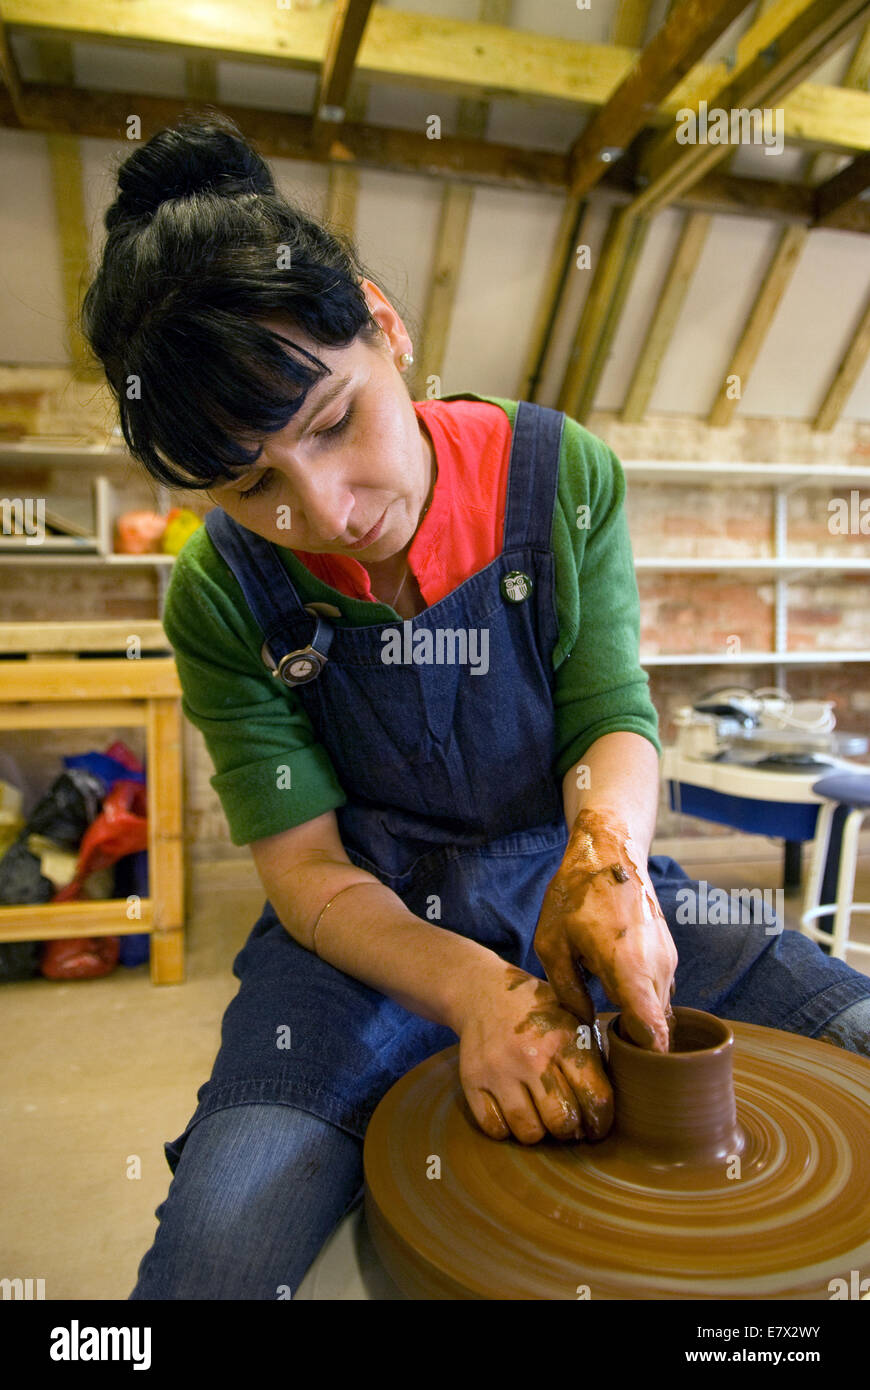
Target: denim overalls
x: 453, y: 803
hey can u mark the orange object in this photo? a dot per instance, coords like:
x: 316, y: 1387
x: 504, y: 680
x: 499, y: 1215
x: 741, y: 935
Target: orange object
x: 140, y: 533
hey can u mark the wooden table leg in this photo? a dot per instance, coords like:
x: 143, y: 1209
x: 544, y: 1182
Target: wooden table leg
x: 165, y: 843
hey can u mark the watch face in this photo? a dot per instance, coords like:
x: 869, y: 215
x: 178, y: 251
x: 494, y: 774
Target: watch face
x: 300, y: 667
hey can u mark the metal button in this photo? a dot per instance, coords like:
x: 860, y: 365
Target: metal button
x: 516, y: 586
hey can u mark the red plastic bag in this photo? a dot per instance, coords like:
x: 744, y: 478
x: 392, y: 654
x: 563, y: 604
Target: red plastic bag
x: 121, y: 828
x: 80, y: 957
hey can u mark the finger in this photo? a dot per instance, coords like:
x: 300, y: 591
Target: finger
x: 643, y: 1017
x: 566, y: 982
x: 520, y: 1111
x: 557, y: 1104
x: 487, y: 1112
x: 585, y: 1074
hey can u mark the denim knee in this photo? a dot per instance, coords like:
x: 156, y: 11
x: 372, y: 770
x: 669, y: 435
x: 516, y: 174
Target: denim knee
x: 849, y: 1029
x: 257, y: 1192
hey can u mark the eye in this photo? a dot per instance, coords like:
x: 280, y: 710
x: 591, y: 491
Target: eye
x: 337, y: 428
x: 260, y: 486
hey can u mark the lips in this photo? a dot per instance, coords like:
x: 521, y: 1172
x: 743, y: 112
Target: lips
x: 370, y: 536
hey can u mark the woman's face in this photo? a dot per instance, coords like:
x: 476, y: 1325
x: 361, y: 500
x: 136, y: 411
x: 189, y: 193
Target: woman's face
x: 354, y: 453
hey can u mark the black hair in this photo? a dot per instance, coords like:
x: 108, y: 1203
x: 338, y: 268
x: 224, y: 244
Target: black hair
x: 200, y: 247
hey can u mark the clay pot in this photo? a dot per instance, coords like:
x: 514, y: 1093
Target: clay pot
x: 678, y: 1106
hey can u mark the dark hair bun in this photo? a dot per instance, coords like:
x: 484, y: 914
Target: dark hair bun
x: 199, y: 154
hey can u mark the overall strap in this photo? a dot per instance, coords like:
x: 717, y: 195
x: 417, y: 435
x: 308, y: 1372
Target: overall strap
x: 272, y: 598
x: 533, y: 477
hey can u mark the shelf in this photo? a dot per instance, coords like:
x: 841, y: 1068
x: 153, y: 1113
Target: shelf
x: 62, y: 454
x: 760, y: 474
x: 751, y: 565
x: 754, y: 659
x: 70, y: 559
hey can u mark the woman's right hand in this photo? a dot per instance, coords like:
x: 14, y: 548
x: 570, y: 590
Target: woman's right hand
x: 527, y: 1065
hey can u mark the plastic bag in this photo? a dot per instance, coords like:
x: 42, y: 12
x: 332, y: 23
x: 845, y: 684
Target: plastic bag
x: 80, y: 958
x: 21, y: 879
x: 65, y: 812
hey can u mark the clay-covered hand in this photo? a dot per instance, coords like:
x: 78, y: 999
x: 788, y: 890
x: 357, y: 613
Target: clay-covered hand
x: 526, y: 1066
x: 612, y: 925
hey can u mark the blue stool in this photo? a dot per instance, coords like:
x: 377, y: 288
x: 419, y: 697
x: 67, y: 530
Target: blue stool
x: 850, y: 789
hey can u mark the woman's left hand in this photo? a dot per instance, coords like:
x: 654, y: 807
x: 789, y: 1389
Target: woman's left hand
x: 614, y: 929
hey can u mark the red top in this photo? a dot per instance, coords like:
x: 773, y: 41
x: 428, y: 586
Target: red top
x: 463, y: 530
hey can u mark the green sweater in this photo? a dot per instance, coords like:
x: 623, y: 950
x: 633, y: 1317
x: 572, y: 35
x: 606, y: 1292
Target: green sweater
x: 252, y: 723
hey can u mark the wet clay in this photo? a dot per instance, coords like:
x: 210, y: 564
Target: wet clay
x: 597, y: 839
x: 778, y: 1219
x: 677, y: 1107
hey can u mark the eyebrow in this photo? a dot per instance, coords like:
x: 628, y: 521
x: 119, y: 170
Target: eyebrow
x: 326, y: 397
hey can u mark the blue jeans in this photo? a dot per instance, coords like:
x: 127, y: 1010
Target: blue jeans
x: 259, y: 1189
x: 257, y: 1192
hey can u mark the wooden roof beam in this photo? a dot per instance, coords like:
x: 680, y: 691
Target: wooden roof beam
x: 819, y: 29
x: 630, y: 23
x: 696, y: 228
x: 103, y: 115
x: 467, y: 59
x: 847, y: 189
x: 688, y: 32
x: 846, y: 375
x: 9, y: 74
x: 457, y: 202
x: 831, y: 200
x: 347, y: 26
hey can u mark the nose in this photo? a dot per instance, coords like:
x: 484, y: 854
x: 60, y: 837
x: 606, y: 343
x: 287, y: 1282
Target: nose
x: 326, y: 506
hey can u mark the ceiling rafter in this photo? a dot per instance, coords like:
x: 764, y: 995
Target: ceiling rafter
x: 694, y: 233
x: 844, y: 190
x: 821, y: 27
x: 103, y: 115
x: 688, y: 32
x: 777, y: 279
x: 346, y: 29
x: 625, y: 237
x: 831, y: 200
x: 452, y: 233
x: 9, y: 74
x: 693, y: 236
x: 466, y: 58
x: 630, y: 22
x: 846, y: 375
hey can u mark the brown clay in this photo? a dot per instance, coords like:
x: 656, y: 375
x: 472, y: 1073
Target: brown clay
x: 640, y: 1214
x: 677, y: 1106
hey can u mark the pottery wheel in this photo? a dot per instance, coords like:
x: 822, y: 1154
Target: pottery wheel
x: 560, y: 1220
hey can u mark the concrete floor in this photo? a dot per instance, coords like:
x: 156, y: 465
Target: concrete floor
x: 97, y: 1073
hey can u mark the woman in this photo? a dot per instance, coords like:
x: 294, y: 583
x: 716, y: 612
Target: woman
x: 409, y: 634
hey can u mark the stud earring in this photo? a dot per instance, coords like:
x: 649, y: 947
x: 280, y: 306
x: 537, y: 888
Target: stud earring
x: 406, y: 359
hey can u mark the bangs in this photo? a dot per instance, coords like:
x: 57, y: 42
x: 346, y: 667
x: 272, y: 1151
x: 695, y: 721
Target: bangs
x: 217, y: 383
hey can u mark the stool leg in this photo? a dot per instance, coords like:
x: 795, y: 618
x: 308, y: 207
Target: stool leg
x: 813, y: 891
x: 846, y: 881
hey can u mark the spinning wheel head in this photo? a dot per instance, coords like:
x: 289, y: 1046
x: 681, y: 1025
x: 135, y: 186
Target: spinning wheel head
x: 766, y: 1201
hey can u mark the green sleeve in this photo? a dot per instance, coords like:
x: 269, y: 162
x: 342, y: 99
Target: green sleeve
x: 600, y: 686
x: 256, y: 730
